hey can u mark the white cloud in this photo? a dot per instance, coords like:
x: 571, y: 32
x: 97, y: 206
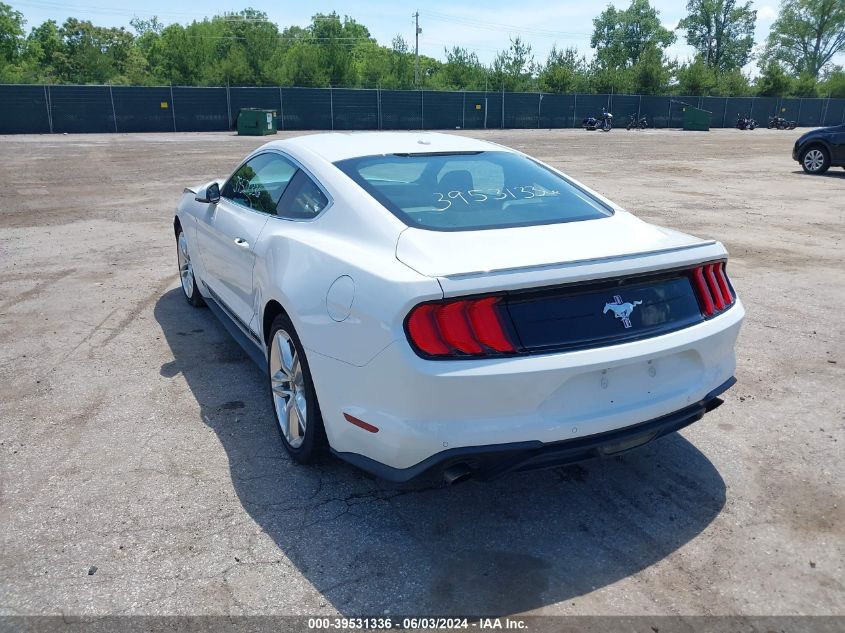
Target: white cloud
x: 766, y: 13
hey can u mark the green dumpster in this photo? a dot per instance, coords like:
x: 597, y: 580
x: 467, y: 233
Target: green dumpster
x: 696, y: 119
x: 256, y: 122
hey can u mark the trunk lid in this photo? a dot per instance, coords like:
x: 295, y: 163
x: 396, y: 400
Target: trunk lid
x: 460, y: 253
x: 618, y: 247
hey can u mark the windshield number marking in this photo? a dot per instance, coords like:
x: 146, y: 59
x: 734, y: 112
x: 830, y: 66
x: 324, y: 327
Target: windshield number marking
x: 482, y: 195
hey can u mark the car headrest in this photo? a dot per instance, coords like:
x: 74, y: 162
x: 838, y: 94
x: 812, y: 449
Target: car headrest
x: 456, y: 180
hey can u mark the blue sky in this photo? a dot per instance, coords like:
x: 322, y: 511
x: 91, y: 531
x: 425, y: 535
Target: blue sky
x: 482, y: 28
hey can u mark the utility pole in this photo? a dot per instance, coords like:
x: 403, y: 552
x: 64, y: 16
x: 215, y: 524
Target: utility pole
x: 417, y: 31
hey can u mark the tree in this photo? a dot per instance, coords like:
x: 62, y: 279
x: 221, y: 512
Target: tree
x: 11, y: 34
x: 721, y: 31
x: 564, y: 71
x: 335, y: 39
x: 629, y: 50
x: 696, y: 78
x: 462, y: 71
x: 188, y: 54
x: 773, y: 81
x: 372, y: 65
x: 732, y: 83
x: 806, y: 35
x: 513, y: 69
x: 44, y: 53
x: 621, y: 38
x: 401, y: 63
x: 246, y: 42
x: 834, y: 83
x: 652, y: 72
x: 303, y: 66
x: 93, y: 54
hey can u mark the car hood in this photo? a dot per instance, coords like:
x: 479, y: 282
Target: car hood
x: 451, y: 253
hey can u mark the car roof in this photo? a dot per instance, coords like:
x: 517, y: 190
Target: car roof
x: 335, y: 146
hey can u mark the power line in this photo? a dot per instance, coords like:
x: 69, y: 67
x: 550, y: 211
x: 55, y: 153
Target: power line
x: 497, y: 26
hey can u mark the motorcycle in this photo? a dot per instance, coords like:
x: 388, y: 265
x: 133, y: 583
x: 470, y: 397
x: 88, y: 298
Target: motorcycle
x: 745, y: 123
x: 778, y: 122
x: 603, y: 123
x: 633, y: 122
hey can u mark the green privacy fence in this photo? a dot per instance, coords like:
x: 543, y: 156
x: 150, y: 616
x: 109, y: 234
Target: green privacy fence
x: 74, y: 109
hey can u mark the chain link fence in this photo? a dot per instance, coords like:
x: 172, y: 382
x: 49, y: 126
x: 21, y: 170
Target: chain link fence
x: 42, y: 109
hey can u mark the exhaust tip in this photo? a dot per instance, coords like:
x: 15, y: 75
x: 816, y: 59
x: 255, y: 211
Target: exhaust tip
x: 456, y: 473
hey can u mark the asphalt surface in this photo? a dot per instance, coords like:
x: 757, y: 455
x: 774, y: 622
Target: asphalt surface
x: 140, y: 471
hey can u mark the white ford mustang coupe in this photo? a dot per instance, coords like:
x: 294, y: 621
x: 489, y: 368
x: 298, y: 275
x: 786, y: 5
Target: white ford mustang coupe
x: 430, y: 304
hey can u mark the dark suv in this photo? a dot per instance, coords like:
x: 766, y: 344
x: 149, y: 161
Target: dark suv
x: 819, y: 149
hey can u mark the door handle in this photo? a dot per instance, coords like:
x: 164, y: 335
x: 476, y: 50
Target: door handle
x: 239, y: 241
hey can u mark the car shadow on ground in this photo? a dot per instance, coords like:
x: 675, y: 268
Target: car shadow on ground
x: 510, y: 546
x: 833, y: 172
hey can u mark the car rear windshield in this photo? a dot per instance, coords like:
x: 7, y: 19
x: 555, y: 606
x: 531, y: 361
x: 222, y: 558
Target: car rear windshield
x: 473, y: 190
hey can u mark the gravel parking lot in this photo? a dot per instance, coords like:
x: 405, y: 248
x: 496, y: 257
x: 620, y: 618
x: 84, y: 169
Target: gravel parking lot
x: 141, y: 472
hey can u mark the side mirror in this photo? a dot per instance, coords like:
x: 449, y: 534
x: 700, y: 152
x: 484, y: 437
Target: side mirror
x: 209, y: 193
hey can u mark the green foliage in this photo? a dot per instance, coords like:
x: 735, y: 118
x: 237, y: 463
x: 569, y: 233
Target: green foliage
x: 696, y: 78
x: 335, y: 40
x: 833, y: 84
x: 806, y: 36
x: 805, y: 86
x: 721, y: 31
x: 773, y: 81
x: 303, y: 66
x: 462, y: 71
x: 651, y: 73
x: 93, y: 54
x: 622, y: 38
x: 11, y: 34
x: 513, y: 69
x: 732, y: 83
x: 246, y: 48
x: 629, y: 50
x: 564, y: 71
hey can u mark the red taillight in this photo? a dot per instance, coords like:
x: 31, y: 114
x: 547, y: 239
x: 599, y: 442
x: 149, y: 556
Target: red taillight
x: 423, y: 331
x: 722, y: 277
x: 486, y: 325
x: 703, y: 292
x: 711, y: 287
x: 454, y: 327
x: 471, y: 327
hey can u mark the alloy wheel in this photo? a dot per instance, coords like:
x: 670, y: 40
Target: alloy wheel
x: 288, y: 384
x: 813, y: 160
x: 186, y: 270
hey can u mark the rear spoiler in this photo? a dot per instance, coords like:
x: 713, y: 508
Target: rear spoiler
x: 581, y: 270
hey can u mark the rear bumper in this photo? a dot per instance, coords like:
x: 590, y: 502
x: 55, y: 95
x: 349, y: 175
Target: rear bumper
x: 424, y: 408
x: 493, y: 461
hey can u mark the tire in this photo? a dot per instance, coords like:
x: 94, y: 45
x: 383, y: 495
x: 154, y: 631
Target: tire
x: 815, y: 160
x: 186, y: 272
x: 292, y: 393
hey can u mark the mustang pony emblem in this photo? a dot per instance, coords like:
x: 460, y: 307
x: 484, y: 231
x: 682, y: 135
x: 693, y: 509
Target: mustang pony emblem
x: 621, y: 311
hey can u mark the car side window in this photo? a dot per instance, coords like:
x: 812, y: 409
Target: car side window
x: 260, y: 182
x: 303, y: 199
